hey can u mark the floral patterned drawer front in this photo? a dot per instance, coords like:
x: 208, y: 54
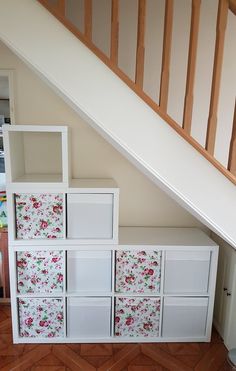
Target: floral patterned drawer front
x: 138, y: 271
x: 137, y: 317
x: 39, y: 216
x: 42, y: 318
x: 39, y: 271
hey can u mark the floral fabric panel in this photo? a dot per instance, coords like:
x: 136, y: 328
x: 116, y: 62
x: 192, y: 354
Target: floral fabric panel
x: 39, y: 271
x: 42, y: 318
x: 39, y: 216
x: 138, y: 271
x: 137, y: 317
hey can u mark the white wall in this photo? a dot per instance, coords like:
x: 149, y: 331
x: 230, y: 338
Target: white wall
x: 153, y: 48
x: 142, y: 203
x: 75, y: 13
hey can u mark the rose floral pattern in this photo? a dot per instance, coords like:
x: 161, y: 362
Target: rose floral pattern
x: 39, y: 271
x: 138, y: 271
x: 39, y: 215
x: 42, y: 318
x: 137, y: 317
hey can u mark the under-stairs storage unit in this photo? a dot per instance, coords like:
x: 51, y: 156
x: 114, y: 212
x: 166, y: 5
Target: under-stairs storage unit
x: 72, y: 280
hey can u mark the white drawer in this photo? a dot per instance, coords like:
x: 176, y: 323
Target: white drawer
x: 186, y: 272
x: 88, y: 271
x: 88, y: 317
x: 184, y: 317
x: 90, y: 216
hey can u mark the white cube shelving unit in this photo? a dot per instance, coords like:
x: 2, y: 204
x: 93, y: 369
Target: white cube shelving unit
x: 73, y: 280
x: 116, y: 293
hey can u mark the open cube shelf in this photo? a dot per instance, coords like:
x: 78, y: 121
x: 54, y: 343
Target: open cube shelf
x: 29, y: 155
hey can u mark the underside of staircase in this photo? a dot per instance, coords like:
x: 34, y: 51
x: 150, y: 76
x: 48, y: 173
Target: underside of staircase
x: 118, y: 114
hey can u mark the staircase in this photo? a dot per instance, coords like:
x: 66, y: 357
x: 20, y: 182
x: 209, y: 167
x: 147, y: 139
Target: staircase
x: 134, y: 123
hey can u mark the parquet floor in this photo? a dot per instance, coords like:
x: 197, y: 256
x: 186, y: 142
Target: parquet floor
x: 105, y: 357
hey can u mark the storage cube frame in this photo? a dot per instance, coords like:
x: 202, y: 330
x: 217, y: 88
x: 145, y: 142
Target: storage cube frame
x: 149, y: 293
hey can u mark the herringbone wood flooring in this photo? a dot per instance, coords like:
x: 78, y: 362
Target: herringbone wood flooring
x: 113, y: 357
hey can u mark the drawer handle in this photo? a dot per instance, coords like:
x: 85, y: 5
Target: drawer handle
x: 228, y: 294
x: 225, y: 289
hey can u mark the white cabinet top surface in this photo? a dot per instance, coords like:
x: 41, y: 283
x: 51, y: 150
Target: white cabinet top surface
x: 164, y: 236
x: 99, y: 184
x: 35, y: 128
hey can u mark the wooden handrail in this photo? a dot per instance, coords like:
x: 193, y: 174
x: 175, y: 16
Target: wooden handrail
x: 166, y: 53
x: 114, y: 31
x: 112, y: 63
x: 232, y: 150
x: 88, y: 19
x: 218, y: 61
x: 192, y: 57
x: 139, y: 73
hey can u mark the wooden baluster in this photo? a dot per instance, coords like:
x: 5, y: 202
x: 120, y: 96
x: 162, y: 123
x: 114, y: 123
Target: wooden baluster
x: 166, y: 53
x: 139, y: 73
x: 192, y: 56
x: 62, y: 7
x: 232, y: 149
x: 88, y: 19
x: 114, y: 32
x: 216, y: 78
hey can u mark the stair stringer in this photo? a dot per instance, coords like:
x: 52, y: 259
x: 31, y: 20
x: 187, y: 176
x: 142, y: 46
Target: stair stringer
x: 118, y: 114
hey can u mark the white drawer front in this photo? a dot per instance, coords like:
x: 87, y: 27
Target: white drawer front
x: 186, y: 272
x: 184, y: 317
x: 88, y: 317
x: 90, y: 216
x: 88, y: 271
